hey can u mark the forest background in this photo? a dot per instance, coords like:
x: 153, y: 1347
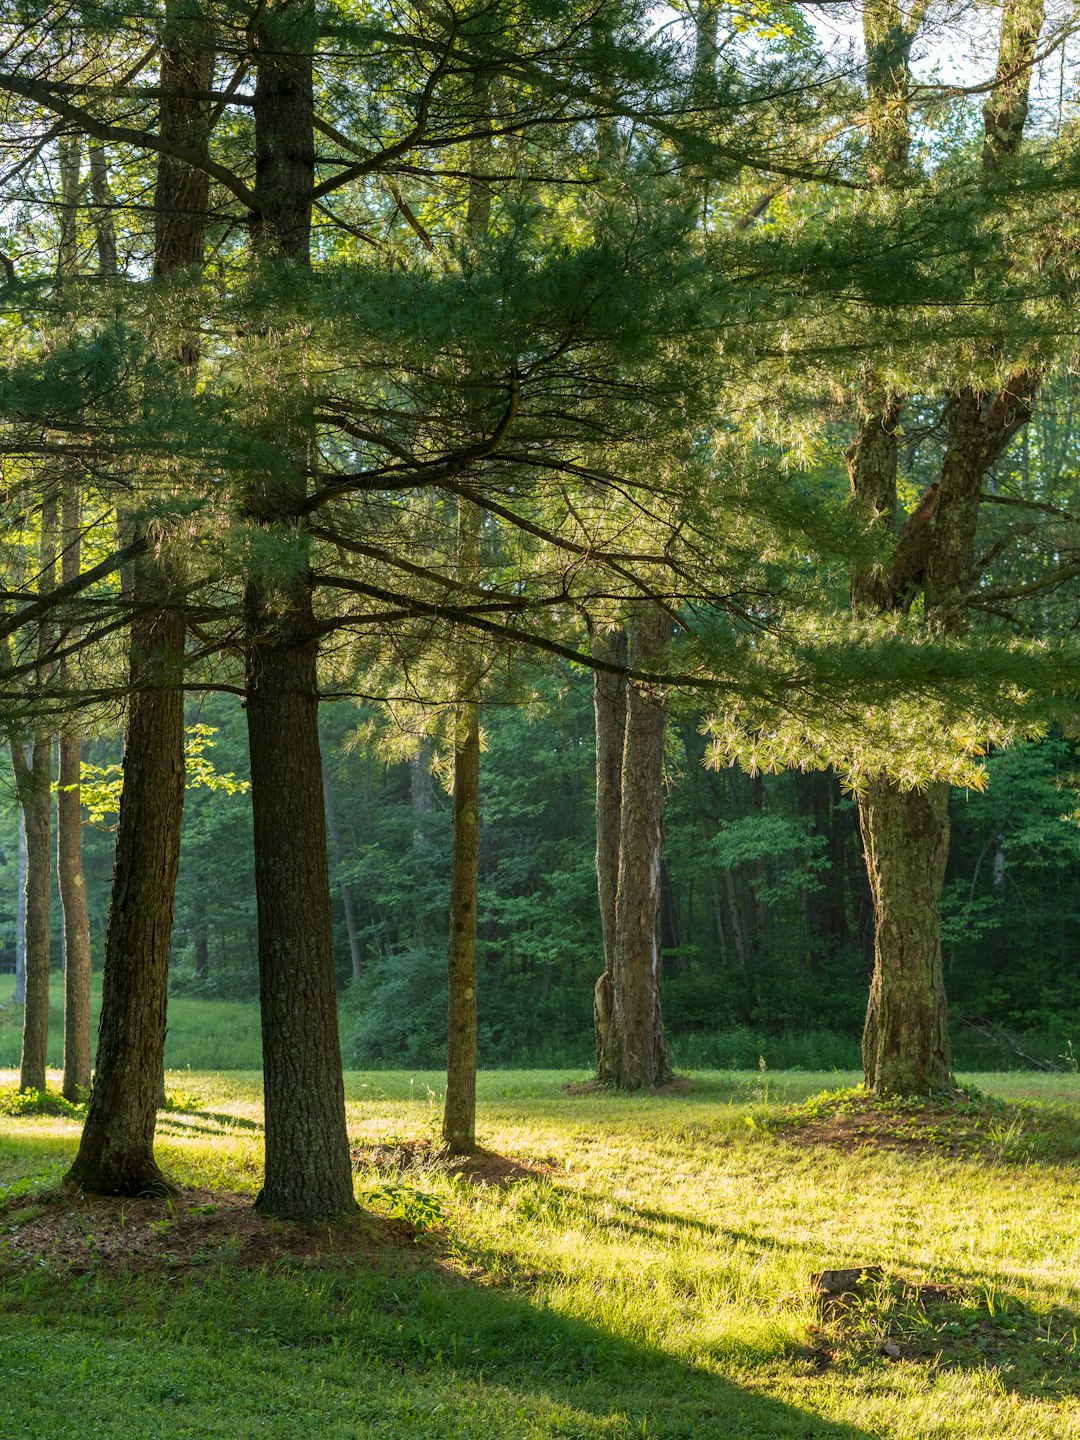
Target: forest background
x: 767, y: 916
x: 766, y: 912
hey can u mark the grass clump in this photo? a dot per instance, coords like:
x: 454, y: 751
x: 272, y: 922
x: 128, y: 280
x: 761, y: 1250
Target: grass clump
x: 15, y: 1102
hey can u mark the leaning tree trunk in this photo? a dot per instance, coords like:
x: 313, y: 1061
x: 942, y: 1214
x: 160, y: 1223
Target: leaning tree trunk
x: 308, y: 1171
x: 634, y: 1052
x: 905, y: 1039
x: 459, y: 1117
x: 116, y: 1153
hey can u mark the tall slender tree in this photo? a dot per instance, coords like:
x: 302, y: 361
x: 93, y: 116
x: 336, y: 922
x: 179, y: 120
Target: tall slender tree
x: 116, y: 1151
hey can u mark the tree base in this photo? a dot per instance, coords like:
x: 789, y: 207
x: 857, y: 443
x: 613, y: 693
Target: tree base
x: 136, y: 1181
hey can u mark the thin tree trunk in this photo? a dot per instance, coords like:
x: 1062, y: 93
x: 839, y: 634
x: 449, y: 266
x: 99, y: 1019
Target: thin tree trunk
x: 422, y: 803
x: 308, y: 1172
x: 34, y: 787
x: 34, y: 783
x: 459, y: 1118
x: 202, y: 953
x: 116, y: 1153
x: 348, y: 901
x: 69, y: 866
x: 634, y: 1053
x: 609, y: 709
x: 69, y: 871
x: 459, y: 1111
x: 19, y: 994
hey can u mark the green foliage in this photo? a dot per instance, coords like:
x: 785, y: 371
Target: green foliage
x: 100, y: 786
x: 16, y: 1103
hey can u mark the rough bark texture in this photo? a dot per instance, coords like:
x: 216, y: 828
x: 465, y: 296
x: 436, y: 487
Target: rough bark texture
x: 905, y: 1039
x: 116, y: 1152
x: 905, y: 1043
x: 609, y: 709
x: 634, y: 1052
x: 459, y: 1116
x: 33, y: 782
x: 901, y: 957
x: 69, y: 866
x: 308, y: 1172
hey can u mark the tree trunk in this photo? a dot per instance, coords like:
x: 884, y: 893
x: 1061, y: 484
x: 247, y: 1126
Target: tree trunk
x: 634, y: 1052
x: 422, y: 804
x: 34, y: 786
x: 905, y: 1039
x: 69, y: 866
x: 116, y: 1153
x: 34, y: 783
x: 352, y: 930
x: 905, y: 1042
x: 609, y: 709
x: 308, y: 1172
x: 19, y: 993
x: 459, y: 1118
x: 202, y: 953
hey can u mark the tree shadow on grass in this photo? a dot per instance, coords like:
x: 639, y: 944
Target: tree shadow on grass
x: 203, y: 1122
x: 441, y: 1355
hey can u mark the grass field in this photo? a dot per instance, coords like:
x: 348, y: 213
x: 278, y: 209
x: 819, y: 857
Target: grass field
x: 611, y: 1267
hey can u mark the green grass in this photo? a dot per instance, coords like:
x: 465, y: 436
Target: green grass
x: 202, y: 1035
x: 646, y: 1275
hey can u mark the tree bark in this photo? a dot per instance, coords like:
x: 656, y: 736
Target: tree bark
x: 19, y: 993
x: 308, y: 1172
x: 69, y: 866
x: 905, y: 1038
x: 905, y: 1041
x: 34, y: 787
x: 34, y: 784
x: 609, y: 709
x: 116, y: 1153
x: 459, y: 1118
x: 634, y: 1053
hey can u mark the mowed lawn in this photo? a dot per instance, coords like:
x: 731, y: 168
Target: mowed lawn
x: 612, y: 1267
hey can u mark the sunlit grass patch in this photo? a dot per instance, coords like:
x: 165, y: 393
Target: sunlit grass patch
x: 607, y: 1266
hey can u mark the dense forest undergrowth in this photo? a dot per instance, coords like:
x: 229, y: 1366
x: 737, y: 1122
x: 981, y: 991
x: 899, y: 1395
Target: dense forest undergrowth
x: 692, y: 1240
